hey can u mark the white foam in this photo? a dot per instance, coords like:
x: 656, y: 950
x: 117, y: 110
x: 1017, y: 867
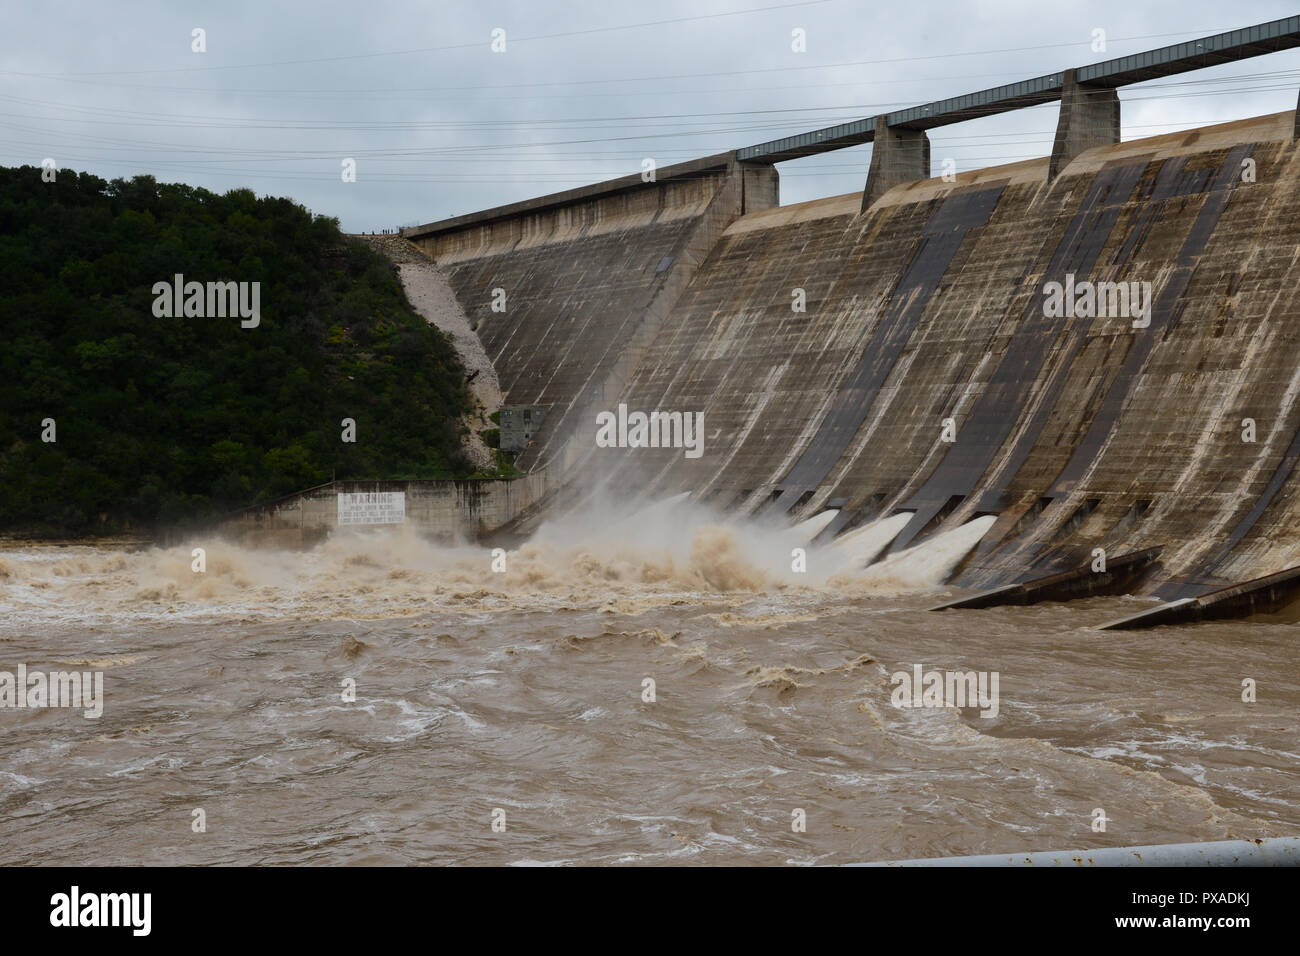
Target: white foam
x: 863, y: 545
x: 811, y: 527
x: 928, y: 564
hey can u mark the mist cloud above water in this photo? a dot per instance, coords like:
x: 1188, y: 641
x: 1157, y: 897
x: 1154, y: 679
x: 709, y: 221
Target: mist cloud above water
x: 663, y: 553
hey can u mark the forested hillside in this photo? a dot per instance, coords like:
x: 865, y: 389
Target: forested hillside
x: 170, y: 420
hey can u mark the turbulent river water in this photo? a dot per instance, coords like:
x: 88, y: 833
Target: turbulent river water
x: 520, y: 697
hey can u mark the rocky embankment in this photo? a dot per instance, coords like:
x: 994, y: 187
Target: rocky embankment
x: 431, y: 296
x: 402, y: 251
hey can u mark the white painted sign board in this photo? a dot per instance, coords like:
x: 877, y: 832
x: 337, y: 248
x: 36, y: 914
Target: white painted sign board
x: 374, y: 507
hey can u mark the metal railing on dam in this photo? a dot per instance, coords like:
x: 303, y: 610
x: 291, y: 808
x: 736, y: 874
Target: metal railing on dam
x: 1276, y: 851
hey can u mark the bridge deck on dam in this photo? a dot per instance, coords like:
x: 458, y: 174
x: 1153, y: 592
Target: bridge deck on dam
x: 1177, y: 58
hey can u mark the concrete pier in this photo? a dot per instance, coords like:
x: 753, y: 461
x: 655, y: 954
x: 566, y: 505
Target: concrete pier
x: 1089, y: 117
x: 899, y: 154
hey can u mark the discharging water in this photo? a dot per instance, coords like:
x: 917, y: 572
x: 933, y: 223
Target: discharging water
x: 525, y: 691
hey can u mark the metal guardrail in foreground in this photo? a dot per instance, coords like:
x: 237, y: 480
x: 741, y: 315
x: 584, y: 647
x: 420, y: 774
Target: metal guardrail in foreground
x: 1275, y: 851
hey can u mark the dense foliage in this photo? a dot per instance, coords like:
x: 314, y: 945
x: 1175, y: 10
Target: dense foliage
x: 166, y: 421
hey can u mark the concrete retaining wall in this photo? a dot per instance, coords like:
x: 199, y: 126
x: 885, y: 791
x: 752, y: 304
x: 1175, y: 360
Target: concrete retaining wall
x: 450, y: 511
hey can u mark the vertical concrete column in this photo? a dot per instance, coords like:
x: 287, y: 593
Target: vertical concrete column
x: 1089, y: 117
x: 898, y: 155
x: 760, y: 187
x: 1295, y: 132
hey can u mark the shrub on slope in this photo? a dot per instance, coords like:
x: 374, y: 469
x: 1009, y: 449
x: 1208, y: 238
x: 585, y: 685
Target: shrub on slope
x: 164, y: 421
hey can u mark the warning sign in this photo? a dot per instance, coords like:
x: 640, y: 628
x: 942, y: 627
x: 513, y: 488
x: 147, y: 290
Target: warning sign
x: 376, y: 507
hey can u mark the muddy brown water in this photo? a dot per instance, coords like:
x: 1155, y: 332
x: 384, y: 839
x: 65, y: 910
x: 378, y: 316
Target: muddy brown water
x: 523, y: 691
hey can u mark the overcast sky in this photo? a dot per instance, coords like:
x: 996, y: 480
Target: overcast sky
x: 439, y: 124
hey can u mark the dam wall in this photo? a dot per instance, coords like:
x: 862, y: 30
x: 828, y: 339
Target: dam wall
x: 569, y: 291
x: 1097, y: 348
x: 928, y: 310
x: 902, y: 358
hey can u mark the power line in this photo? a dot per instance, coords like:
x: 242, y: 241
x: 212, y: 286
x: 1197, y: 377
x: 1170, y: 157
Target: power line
x: 705, y: 123
x: 907, y: 59
x: 852, y: 110
x: 442, y: 49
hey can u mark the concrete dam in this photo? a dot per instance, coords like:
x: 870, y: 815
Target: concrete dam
x: 1098, y: 348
